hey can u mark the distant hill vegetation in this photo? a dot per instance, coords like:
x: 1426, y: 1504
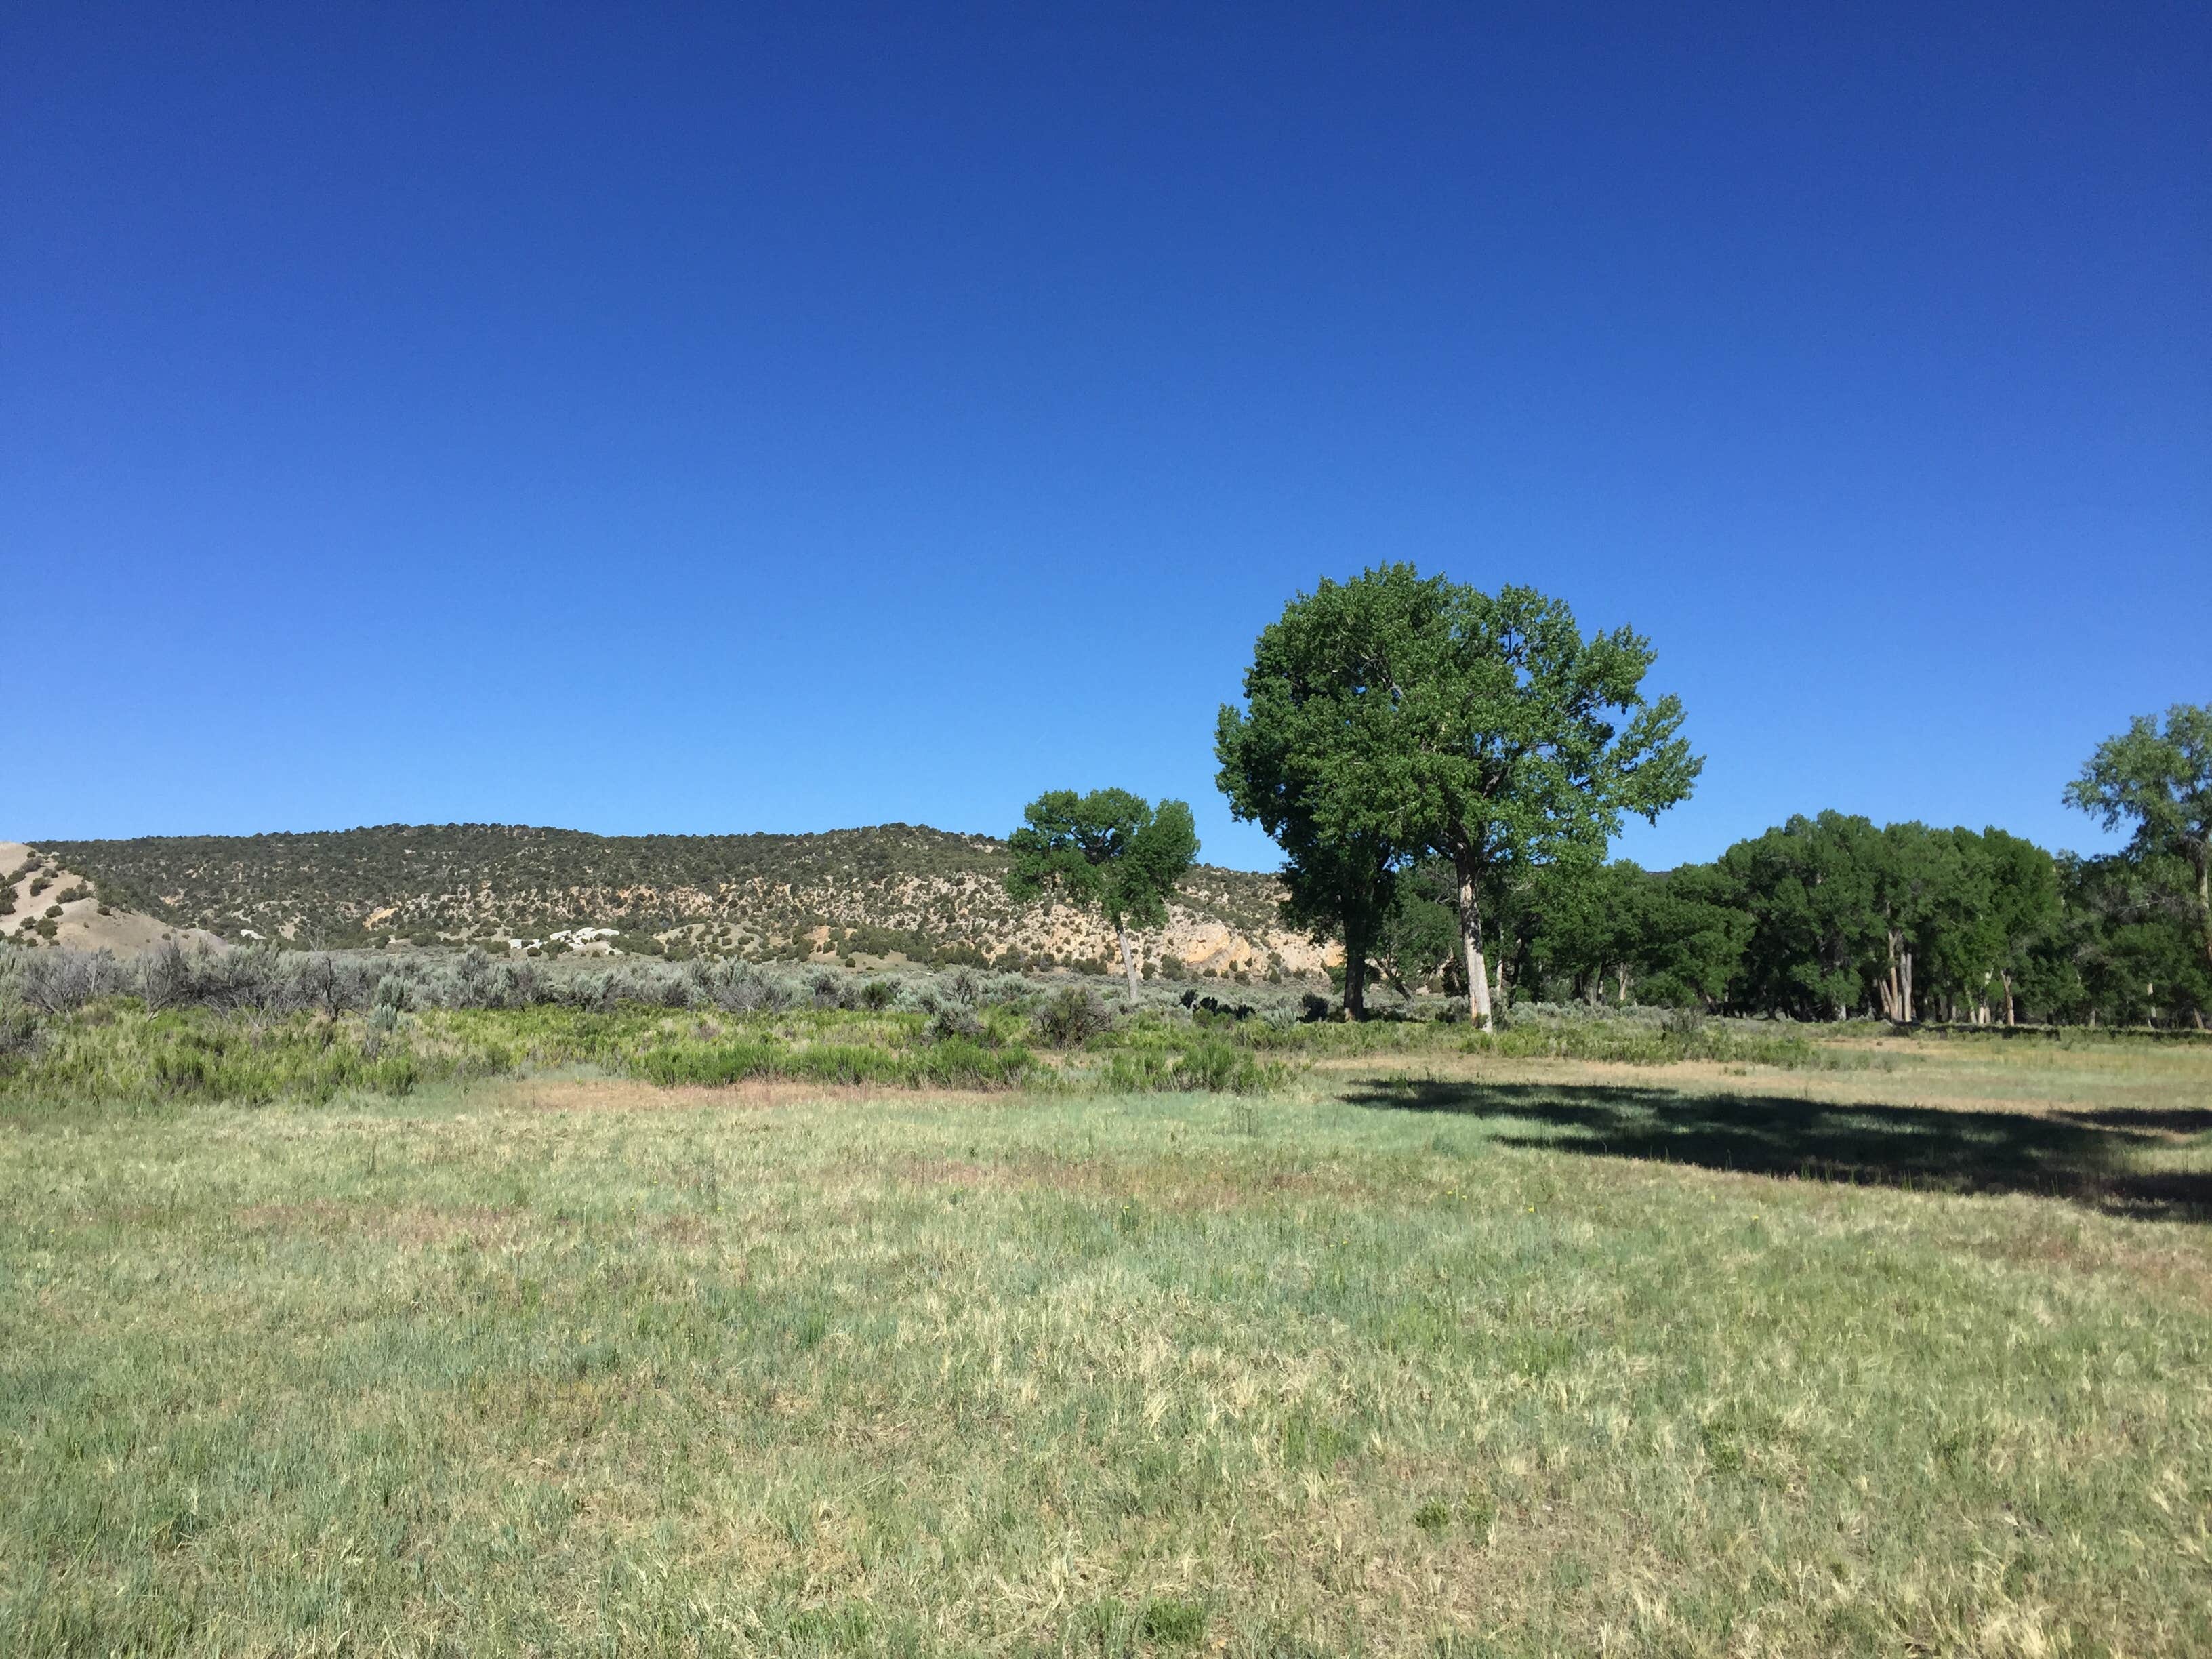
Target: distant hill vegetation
x: 894, y: 890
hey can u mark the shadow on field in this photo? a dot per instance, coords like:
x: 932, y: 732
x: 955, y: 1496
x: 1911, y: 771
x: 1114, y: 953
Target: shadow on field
x: 2084, y: 1157
x: 2179, y: 1121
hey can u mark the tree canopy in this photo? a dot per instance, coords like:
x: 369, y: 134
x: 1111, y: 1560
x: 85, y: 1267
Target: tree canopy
x: 2159, y: 783
x: 1418, y: 714
x: 1109, y: 851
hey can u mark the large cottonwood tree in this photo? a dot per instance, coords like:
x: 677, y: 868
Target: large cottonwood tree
x: 1424, y: 714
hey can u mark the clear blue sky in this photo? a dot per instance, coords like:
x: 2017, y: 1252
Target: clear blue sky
x: 643, y: 418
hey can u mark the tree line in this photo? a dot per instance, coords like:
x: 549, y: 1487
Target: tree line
x: 1445, y: 770
x: 1834, y: 917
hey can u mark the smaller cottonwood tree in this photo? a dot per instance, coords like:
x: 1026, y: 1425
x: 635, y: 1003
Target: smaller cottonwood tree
x: 1108, y: 851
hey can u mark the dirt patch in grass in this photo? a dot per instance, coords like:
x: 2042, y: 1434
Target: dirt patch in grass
x: 752, y: 1094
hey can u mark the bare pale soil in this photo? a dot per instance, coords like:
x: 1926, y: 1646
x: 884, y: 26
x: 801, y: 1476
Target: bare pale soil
x: 80, y: 925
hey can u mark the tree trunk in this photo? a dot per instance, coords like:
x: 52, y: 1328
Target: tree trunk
x: 1470, y: 942
x: 1621, y: 977
x: 2204, y: 896
x: 2007, y: 977
x: 1908, y: 987
x: 1128, y: 962
x: 1355, y: 971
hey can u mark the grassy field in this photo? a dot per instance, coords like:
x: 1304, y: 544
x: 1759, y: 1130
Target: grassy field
x: 1904, y: 1346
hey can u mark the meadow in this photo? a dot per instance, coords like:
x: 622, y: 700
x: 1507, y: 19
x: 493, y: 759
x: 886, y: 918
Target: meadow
x: 1197, y: 1336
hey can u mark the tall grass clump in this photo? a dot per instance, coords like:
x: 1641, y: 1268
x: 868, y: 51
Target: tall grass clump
x: 123, y: 1054
x: 953, y: 1063
x: 1205, y: 1064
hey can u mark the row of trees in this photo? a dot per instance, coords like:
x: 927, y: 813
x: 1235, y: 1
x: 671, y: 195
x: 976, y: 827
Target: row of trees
x: 1832, y: 916
x: 1445, y: 769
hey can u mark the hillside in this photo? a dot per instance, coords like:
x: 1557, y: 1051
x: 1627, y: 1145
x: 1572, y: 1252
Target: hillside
x: 891, y: 891
x: 44, y: 901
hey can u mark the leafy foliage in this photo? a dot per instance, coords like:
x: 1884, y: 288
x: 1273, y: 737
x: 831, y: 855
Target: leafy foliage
x: 1109, y: 851
x: 2158, y: 782
x: 1394, y: 714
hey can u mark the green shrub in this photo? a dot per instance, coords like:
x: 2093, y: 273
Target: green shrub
x: 116, y: 1052
x: 953, y: 1020
x: 1071, y: 1018
x: 18, y: 1031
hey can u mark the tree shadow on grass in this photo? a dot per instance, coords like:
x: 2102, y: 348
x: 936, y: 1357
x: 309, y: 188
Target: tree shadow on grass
x: 2179, y: 1120
x: 2087, y: 1157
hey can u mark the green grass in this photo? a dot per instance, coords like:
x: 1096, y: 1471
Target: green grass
x: 1639, y: 1044
x: 116, y: 1052
x: 1509, y: 1356
x: 1639, y: 1041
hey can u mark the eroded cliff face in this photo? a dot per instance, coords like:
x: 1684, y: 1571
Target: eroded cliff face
x: 986, y: 921
x: 1200, y: 941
